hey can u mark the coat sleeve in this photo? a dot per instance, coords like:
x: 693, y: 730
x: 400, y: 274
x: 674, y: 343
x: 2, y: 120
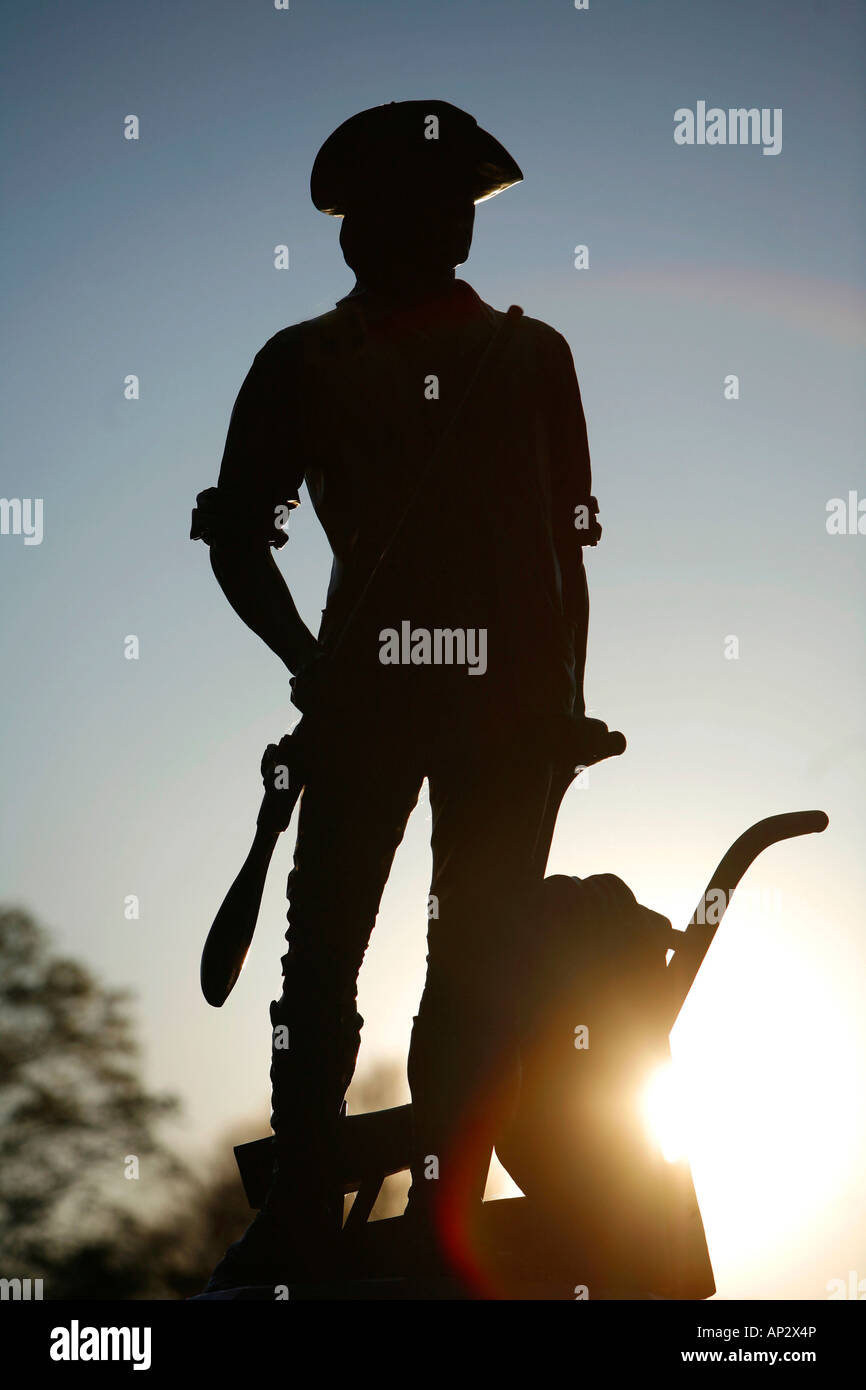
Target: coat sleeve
x: 574, y: 509
x: 263, y: 461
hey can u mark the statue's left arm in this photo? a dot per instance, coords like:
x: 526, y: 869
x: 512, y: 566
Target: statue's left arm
x: 575, y: 523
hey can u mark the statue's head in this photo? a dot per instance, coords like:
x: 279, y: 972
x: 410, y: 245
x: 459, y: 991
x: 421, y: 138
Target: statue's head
x: 405, y: 179
x: 389, y: 241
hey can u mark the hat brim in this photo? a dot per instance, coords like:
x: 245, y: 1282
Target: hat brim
x: 358, y: 155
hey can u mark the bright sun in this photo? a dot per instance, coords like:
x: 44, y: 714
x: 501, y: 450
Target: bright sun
x: 662, y: 1109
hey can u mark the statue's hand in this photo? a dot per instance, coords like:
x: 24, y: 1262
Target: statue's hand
x: 590, y: 741
x: 308, y: 686
x: 281, y: 777
x: 276, y: 761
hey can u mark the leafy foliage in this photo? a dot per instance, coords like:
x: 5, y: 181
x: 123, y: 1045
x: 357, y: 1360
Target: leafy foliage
x: 72, y: 1105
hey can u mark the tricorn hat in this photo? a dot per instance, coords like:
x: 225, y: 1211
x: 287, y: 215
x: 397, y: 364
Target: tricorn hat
x: 409, y: 147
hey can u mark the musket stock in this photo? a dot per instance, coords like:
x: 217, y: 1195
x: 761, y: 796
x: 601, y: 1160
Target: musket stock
x: 231, y: 934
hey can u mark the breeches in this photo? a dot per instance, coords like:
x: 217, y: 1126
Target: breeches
x: 493, y: 800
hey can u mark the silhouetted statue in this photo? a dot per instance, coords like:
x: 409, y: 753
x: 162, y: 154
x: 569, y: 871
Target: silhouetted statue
x: 444, y: 448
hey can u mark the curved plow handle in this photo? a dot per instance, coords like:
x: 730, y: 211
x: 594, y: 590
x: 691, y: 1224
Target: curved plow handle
x: 695, y: 941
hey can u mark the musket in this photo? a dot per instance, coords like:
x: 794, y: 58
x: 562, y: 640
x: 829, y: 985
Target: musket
x: 231, y: 934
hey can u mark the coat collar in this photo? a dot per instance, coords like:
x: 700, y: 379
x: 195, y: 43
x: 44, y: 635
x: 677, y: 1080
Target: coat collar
x: 455, y: 301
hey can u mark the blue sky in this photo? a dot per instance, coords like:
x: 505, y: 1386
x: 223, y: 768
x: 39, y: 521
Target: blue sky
x: 155, y: 257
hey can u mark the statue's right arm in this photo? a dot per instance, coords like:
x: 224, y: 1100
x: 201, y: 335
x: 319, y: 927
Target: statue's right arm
x: 254, y: 586
x: 243, y: 518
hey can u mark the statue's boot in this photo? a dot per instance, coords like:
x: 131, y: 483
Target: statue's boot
x: 461, y: 1089
x: 293, y: 1239
x: 295, y: 1236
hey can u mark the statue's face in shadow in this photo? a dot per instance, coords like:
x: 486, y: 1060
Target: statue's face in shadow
x: 401, y: 239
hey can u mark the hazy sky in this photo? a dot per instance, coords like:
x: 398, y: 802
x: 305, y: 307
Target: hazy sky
x: 155, y: 257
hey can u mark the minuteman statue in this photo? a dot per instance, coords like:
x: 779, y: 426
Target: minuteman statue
x: 444, y: 449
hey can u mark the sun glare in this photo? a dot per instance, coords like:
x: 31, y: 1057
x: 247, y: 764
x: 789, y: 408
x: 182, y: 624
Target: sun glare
x: 661, y: 1104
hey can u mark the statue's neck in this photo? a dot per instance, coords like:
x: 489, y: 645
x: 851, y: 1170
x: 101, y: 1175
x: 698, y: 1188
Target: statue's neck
x: 407, y: 289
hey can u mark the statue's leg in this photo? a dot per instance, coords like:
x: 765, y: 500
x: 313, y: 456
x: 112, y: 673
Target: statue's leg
x: 353, y: 813
x: 492, y: 826
x: 347, y: 837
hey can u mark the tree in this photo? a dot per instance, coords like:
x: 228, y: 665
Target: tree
x: 73, y: 1108
x: 72, y: 1111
